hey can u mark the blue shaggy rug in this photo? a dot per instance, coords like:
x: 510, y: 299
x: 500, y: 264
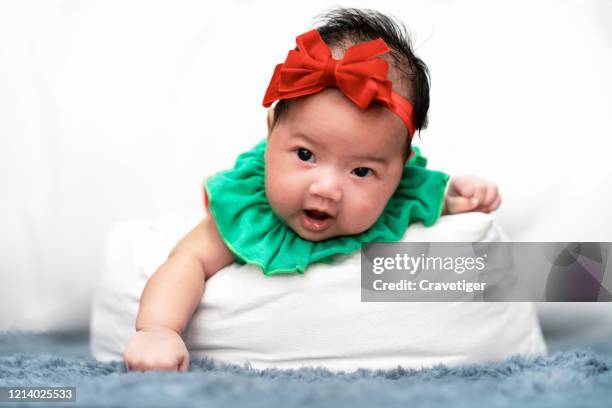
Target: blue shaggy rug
x: 570, y: 378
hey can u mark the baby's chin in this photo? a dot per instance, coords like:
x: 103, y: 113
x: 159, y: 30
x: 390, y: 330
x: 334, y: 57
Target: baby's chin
x: 316, y: 236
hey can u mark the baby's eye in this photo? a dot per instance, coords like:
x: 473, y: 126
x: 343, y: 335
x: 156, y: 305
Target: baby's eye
x: 363, y: 172
x: 305, y: 155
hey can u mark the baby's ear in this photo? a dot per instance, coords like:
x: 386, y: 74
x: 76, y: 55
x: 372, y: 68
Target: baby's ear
x: 270, y: 120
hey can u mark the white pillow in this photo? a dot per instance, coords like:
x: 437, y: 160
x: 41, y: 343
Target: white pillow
x: 315, y: 319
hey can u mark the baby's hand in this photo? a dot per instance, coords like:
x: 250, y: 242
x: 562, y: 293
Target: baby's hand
x: 156, y: 349
x: 469, y: 193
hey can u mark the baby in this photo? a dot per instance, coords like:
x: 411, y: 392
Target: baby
x: 337, y: 170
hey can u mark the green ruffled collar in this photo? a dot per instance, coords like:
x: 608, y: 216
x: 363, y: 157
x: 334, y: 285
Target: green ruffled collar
x: 253, y: 232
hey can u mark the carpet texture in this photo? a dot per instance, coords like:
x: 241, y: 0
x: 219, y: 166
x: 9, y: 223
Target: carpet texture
x: 571, y: 378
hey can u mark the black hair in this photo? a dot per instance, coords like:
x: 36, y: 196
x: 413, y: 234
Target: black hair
x: 343, y: 27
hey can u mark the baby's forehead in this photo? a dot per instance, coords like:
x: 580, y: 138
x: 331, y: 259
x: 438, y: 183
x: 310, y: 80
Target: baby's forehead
x: 328, y: 120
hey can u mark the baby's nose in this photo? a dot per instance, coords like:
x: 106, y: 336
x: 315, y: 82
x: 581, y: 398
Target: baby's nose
x: 327, y: 188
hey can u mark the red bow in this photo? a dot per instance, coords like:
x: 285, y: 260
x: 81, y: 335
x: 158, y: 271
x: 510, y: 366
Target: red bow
x: 360, y: 75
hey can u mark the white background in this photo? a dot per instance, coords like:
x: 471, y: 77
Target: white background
x: 112, y: 110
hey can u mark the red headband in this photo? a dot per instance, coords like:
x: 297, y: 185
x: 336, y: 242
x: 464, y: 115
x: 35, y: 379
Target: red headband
x: 360, y: 75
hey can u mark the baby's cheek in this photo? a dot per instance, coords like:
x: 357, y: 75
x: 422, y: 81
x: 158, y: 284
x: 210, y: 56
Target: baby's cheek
x: 281, y: 193
x: 364, y: 214
x: 273, y: 190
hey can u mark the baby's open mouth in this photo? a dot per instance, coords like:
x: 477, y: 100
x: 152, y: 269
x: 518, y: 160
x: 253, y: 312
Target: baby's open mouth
x: 315, y: 220
x: 317, y: 215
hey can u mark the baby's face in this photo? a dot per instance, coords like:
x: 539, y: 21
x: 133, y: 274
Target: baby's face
x: 331, y: 167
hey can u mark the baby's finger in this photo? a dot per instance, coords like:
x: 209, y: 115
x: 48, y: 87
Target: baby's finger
x: 458, y: 205
x: 463, y: 185
x: 479, y: 194
x: 165, y: 365
x: 490, y: 195
x: 495, y: 204
x: 184, y: 365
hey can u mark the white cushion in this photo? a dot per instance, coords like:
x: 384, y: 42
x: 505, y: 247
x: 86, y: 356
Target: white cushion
x: 315, y: 319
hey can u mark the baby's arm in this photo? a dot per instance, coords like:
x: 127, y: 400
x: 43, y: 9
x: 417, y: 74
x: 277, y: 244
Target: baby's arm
x: 470, y: 193
x: 171, y: 296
